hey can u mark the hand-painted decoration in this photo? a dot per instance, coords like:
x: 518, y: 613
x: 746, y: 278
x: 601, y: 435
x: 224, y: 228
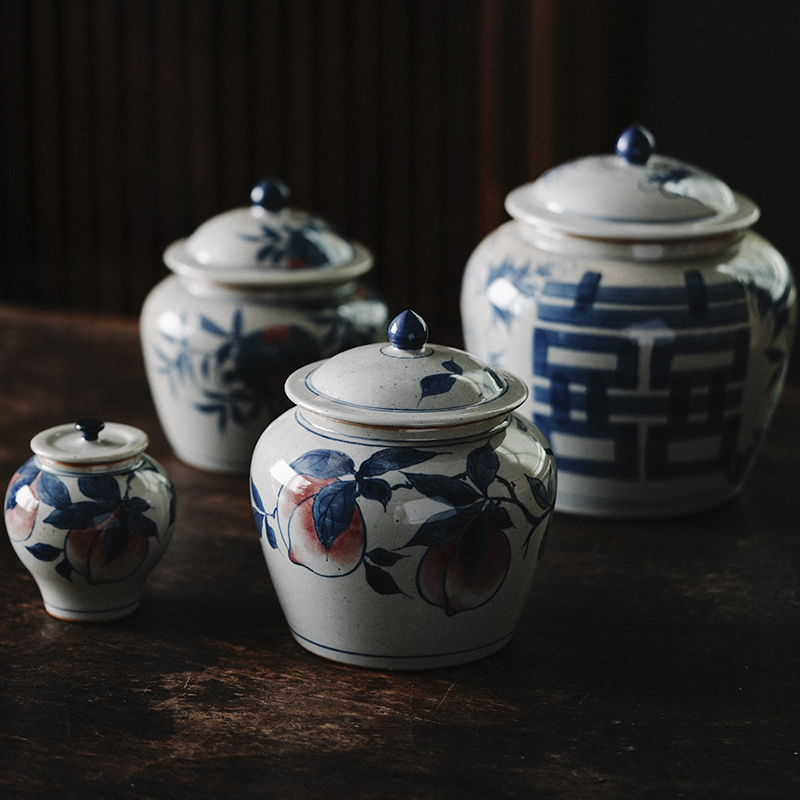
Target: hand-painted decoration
x: 652, y: 327
x: 402, y: 508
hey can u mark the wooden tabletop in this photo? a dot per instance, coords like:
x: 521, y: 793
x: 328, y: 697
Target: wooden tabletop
x: 653, y: 660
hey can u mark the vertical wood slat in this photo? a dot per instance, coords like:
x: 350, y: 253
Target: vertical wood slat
x: 47, y: 180
x: 140, y: 143
x: 16, y: 137
x: 77, y: 159
x: 427, y: 201
x: 109, y: 173
x: 403, y: 123
x: 363, y: 125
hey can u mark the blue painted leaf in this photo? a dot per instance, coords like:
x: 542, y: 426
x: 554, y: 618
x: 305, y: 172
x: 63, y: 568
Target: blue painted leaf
x: 333, y: 509
x: 265, y: 252
x: 273, y: 542
x: 52, y: 491
x: 376, y: 489
x: 324, y: 464
x: 237, y: 322
x: 256, y: 497
x: 208, y: 408
x: 211, y: 327
x: 79, y: 515
x: 540, y: 492
x: 103, y: 488
x: 393, y: 458
x: 482, y: 466
x: 64, y: 569
x: 474, y: 545
x: 223, y: 353
x: 137, y: 505
x: 144, y: 525
x: 115, y: 541
x: 436, y: 384
x: 384, y: 558
x: 260, y: 519
x: 448, y: 490
x: 499, y: 517
x: 451, y: 366
x: 44, y: 552
x: 444, y: 527
x: 380, y: 580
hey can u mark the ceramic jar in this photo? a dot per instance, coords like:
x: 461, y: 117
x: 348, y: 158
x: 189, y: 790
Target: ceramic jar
x: 90, y: 515
x: 402, y: 506
x: 651, y: 325
x: 256, y: 293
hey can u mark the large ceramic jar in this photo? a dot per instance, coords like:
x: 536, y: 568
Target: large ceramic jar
x: 402, y: 506
x: 90, y: 515
x: 256, y: 293
x: 651, y: 325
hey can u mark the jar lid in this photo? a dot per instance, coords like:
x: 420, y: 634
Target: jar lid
x: 405, y: 383
x: 90, y: 442
x: 633, y: 194
x: 268, y: 243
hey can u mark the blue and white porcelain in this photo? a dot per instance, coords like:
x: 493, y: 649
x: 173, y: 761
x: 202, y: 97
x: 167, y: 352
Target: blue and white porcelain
x: 651, y: 325
x: 256, y: 293
x: 90, y: 515
x: 402, y: 506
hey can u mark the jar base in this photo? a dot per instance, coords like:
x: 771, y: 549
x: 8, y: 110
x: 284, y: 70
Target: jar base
x: 91, y: 615
x: 627, y: 507
x: 404, y: 662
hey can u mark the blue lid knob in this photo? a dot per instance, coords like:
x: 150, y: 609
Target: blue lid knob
x: 408, y: 331
x: 90, y: 428
x: 271, y: 193
x: 636, y: 145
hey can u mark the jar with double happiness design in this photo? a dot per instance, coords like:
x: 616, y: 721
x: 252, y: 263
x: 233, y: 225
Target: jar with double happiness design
x: 256, y: 293
x: 402, y: 506
x: 650, y: 323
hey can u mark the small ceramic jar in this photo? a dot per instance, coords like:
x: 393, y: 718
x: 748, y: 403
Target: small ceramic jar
x: 90, y: 515
x: 651, y: 325
x: 256, y: 293
x: 402, y: 506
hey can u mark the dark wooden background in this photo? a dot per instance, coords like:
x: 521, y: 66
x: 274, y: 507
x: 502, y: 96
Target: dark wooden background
x: 126, y: 123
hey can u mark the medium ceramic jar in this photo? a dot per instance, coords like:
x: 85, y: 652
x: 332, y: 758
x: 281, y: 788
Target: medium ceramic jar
x: 90, y: 515
x: 256, y: 293
x: 651, y: 325
x: 402, y: 506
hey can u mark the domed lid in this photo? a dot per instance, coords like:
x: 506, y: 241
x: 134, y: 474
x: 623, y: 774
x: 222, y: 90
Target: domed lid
x: 90, y: 443
x: 269, y: 244
x: 633, y: 194
x: 405, y: 383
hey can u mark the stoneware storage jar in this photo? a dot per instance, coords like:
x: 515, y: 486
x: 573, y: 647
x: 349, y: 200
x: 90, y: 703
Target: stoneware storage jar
x: 256, y: 293
x: 402, y: 507
x: 90, y: 515
x: 651, y: 325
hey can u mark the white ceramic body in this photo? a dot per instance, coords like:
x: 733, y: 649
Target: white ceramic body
x: 653, y: 372
x: 217, y: 357
x: 90, y: 538
x: 438, y: 539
